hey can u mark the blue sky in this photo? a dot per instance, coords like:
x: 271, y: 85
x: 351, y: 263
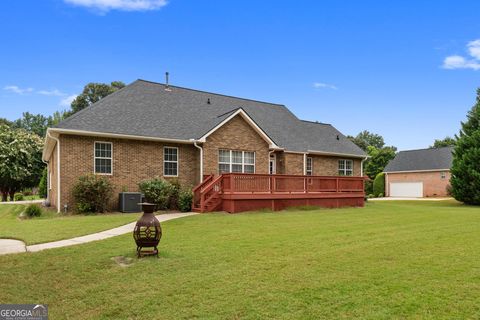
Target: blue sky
x: 407, y: 70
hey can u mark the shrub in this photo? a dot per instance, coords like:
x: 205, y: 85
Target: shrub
x: 158, y: 191
x: 379, y: 184
x: 42, y: 186
x: 92, y: 194
x: 185, y: 198
x: 33, y: 210
x: 175, y: 195
x: 368, y: 186
x: 18, y: 197
x: 28, y: 192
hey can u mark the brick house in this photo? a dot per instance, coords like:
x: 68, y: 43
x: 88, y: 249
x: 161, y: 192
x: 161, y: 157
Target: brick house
x: 419, y: 173
x: 149, y: 129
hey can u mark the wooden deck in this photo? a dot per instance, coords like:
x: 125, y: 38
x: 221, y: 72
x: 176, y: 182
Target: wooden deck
x: 236, y: 192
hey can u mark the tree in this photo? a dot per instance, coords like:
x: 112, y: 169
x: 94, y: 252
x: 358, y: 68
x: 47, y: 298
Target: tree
x: 20, y: 160
x: 378, y: 160
x: 365, y: 139
x: 5, y: 122
x: 445, y: 142
x: 465, y: 180
x: 93, y: 92
x: 36, y: 123
x: 379, y: 154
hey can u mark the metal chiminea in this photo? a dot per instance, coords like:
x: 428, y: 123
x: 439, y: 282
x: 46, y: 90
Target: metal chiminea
x: 147, y: 232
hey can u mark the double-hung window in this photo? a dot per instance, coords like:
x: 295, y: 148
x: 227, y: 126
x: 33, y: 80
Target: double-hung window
x: 170, y: 161
x: 236, y: 161
x: 345, y: 167
x: 103, y: 158
x: 309, y: 168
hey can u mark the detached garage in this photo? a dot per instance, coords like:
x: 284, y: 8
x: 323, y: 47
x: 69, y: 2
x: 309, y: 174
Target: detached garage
x: 419, y: 173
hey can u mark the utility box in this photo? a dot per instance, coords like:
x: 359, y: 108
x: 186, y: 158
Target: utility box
x: 129, y: 202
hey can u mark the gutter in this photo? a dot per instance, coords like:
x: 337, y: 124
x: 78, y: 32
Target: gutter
x: 117, y: 135
x: 335, y: 154
x: 58, y: 169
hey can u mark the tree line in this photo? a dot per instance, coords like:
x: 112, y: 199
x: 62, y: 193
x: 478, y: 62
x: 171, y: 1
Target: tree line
x: 21, y: 142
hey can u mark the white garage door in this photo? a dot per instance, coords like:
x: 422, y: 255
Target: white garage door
x: 406, y: 189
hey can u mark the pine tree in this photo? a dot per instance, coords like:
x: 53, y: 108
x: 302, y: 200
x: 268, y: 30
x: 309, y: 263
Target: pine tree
x: 465, y: 170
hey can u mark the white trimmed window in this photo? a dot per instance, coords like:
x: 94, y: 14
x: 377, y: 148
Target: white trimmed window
x: 103, y: 158
x: 345, y: 167
x: 170, y: 161
x: 443, y: 175
x: 309, y: 168
x: 236, y: 161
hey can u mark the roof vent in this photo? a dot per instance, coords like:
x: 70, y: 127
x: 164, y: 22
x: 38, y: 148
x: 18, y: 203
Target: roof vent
x: 167, y: 85
x: 208, y: 101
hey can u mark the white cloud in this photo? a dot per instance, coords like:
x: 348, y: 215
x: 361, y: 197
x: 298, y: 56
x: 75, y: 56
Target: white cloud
x: 123, y: 5
x: 18, y: 90
x: 54, y: 92
x: 319, y: 85
x: 68, y: 100
x: 460, y: 62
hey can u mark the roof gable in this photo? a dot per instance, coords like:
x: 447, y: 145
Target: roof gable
x: 421, y: 160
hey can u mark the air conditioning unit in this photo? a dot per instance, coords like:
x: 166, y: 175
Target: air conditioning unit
x: 128, y: 202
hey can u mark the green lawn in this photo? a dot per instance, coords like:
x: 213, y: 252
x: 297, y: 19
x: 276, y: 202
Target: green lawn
x: 389, y: 260
x: 51, y: 227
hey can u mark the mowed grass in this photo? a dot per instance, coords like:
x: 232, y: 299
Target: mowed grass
x: 51, y: 226
x: 389, y: 260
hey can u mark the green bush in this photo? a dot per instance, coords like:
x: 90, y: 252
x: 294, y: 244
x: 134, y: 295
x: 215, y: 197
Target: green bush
x: 379, y: 184
x: 175, y: 195
x: 368, y: 186
x: 92, y: 194
x: 158, y: 191
x: 33, y: 210
x: 18, y: 197
x: 185, y: 198
x: 42, y: 186
x: 27, y: 192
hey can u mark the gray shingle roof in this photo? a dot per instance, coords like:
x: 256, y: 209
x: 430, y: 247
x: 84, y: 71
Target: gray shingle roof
x: 145, y: 108
x: 423, y: 159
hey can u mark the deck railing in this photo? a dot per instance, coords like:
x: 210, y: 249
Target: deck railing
x: 208, y: 195
x: 265, y: 183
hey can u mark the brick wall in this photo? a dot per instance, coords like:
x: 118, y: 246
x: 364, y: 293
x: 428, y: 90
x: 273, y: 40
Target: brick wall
x: 433, y: 185
x: 328, y: 166
x: 292, y: 163
x: 133, y: 161
x: 236, y: 134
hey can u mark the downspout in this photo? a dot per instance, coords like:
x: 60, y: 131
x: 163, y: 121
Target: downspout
x: 305, y: 164
x: 201, y: 159
x: 58, y: 170
x: 48, y: 179
x: 361, y: 166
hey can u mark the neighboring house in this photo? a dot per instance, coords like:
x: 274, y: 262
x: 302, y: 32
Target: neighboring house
x: 149, y: 129
x: 419, y: 173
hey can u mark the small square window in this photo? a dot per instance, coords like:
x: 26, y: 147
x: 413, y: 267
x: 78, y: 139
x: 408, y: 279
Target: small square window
x: 443, y: 175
